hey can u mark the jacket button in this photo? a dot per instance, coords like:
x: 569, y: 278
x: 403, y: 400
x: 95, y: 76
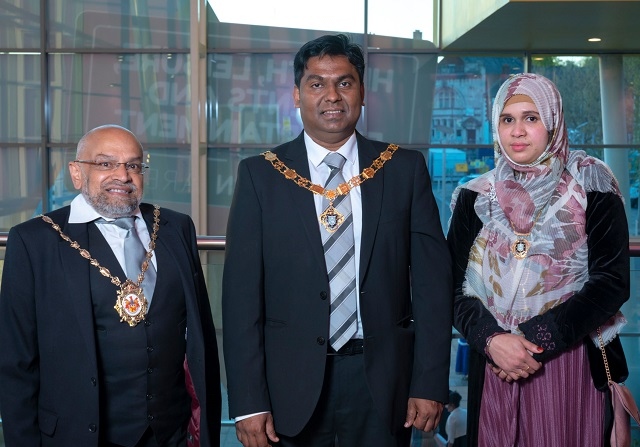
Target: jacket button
x: 93, y: 428
x: 320, y: 340
x: 323, y: 295
x: 149, y: 370
x: 147, y: 323
x: 94, y: 382
x: 150, y: 417
x: 149, y: 396
x: 149, y: 348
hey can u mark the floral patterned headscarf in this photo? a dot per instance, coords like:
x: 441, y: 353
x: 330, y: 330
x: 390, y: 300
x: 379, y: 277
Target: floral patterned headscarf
x: 543, y: 202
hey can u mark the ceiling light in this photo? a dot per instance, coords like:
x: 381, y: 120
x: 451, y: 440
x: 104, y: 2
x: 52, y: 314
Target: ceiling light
x: 594, y: 39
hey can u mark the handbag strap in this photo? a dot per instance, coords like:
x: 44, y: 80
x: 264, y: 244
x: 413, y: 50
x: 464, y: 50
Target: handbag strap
x: 604, y: 355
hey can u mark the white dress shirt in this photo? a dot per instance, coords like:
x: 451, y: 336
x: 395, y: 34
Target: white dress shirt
x: 82, y: 212
x: 319, y: 175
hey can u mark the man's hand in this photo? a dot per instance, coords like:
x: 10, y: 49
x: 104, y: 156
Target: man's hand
x: 423, y: 414
x: 256, y: 431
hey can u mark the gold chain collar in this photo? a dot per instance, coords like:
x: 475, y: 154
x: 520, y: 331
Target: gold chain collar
x: 341, y: 189
x: 331, y: 218
x: 131, y: 304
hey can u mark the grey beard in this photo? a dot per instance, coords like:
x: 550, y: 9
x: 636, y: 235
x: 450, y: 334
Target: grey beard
x: 106, y: 209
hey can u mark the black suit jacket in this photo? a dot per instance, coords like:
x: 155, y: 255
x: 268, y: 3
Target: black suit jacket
x: 275, y: 289
x: 48, y: 367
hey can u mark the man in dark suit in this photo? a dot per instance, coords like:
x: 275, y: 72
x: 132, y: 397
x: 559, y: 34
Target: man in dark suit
x: 320, y: 348
x: 76, y: 370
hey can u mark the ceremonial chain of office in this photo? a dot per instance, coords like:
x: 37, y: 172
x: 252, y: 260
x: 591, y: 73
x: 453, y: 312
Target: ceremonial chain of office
x: 131, y: 304
x: 331, y: 194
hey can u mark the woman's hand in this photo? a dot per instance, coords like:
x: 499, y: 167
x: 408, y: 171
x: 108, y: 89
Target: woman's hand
x: 513, y: 356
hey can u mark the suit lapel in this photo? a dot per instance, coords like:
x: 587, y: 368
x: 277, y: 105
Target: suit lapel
x: 76, y: 271
x: 371, y: 191
x: 173, y: 242
x: 295, y: 157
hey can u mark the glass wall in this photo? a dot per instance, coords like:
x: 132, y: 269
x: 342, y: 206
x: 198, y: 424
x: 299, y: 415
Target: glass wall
x: 94, y: 62
x: 67, y: 66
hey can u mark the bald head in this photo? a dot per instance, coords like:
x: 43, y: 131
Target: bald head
x: 107, y: 131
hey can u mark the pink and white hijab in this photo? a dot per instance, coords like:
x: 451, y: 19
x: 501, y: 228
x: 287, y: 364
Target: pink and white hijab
x: 547, y: 198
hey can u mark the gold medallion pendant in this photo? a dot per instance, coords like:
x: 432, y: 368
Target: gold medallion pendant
x: 520, y: 248
x: 131, y: 303
x: 331, y: 219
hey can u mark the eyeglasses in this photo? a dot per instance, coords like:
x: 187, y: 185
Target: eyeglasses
x: 131, y: 167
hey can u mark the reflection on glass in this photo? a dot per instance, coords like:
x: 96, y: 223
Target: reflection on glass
x: 21, y: 185
x: 578, y: 80
x: 20, y: 24
x: 141, y: 24
x: 398, y: 97
x: 167, y: 182
x: 464, y: 90
x: 21, y: 99
x: 250, y: 99
x: 222, y: 167
x: 61, y: 190
x: 631, y: 69
x: 146, y: 93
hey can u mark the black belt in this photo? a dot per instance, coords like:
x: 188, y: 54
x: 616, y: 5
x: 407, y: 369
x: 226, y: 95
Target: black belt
x: 352, y: 347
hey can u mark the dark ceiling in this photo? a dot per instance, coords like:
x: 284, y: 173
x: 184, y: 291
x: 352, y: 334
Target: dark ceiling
x: 556, y: 26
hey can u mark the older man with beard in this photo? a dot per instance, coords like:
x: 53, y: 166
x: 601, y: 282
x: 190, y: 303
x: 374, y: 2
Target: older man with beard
x: 106, y: 332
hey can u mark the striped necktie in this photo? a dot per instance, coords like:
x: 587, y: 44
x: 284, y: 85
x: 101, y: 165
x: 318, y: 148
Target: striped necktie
x: 339, y: 252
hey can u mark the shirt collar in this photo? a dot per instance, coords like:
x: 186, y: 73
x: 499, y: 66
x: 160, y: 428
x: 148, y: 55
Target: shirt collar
x: 82, y: 212
x: 316, y: 153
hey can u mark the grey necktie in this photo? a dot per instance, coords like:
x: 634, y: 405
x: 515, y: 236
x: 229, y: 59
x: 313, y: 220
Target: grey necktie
x: 339, y: 253
x: 134, y: 256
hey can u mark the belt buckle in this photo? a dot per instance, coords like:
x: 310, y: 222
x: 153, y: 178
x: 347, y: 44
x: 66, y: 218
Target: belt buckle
x: 352, y: 347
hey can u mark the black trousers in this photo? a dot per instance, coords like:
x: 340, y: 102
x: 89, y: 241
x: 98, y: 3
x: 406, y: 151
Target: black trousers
x: 345, y: 415
x: 178, y: 439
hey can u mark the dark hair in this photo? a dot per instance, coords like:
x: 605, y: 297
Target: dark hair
x: 332, y: 45
x: 454, y: 398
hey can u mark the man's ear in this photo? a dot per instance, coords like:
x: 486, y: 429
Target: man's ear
x: 296, y: 96
x: 76, y: 175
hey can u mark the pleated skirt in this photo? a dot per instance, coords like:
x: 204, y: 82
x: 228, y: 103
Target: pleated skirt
x: 558, y: 406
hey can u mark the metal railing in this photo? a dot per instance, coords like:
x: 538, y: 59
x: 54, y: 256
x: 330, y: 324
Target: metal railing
x: 217, y: 243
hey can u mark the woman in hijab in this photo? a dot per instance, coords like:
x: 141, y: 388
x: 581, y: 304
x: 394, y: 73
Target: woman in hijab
x: 540, y: 248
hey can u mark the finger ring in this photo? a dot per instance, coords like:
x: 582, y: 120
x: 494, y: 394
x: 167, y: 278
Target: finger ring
x: 527, y: 368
